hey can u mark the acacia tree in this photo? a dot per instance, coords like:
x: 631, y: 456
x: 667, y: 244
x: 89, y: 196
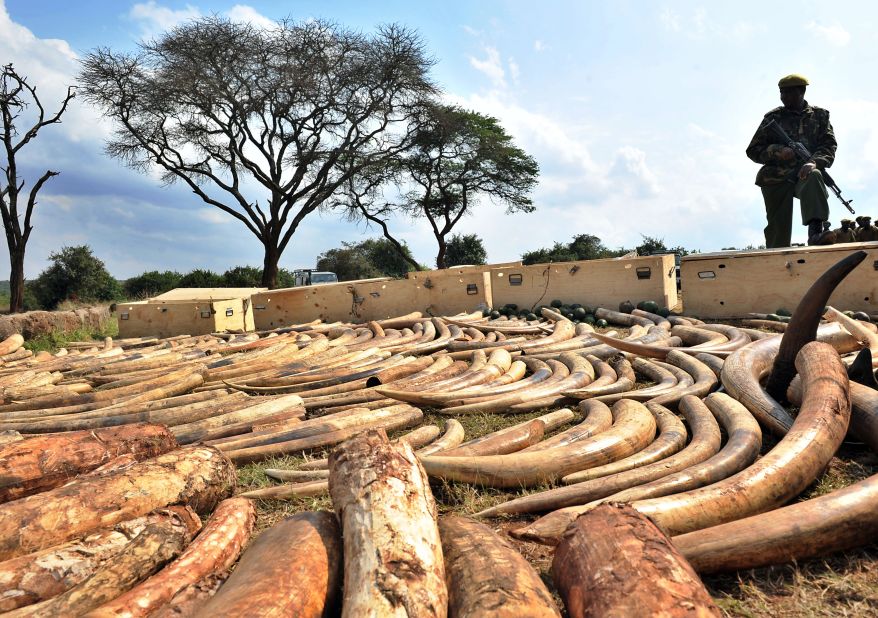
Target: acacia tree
x: 466, y: 249
x: 234, y: 111
x: 16, y: 95
x: 457, y: 158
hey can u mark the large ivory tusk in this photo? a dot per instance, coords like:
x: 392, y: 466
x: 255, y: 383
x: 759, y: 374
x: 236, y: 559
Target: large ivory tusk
x: 633, y: 429
x: 487, y: 576
x: 745, y: 440
x: 803, y: 325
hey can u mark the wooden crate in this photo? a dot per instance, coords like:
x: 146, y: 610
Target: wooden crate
x: 194, y: 294
x: 733, y: 284
x: 372, y: 299
x: 595, y: 283
x: 180, y: 317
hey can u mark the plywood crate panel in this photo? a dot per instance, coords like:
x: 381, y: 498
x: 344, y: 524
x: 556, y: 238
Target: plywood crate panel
x: 189, y: 294
x: 595, y: 283
x: 171, y: 318
x: 735, y: 283
x: 364, y: 300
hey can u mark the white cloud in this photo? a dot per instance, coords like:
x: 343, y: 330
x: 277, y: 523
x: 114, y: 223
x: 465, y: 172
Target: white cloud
x: 834, y: 34
x: 491, y: 66
x: 539, y: 46
x: 629, y: 169
x: 514, y: 70
x: 670, y: 20
x: 247, y: 14
x: 154, y: 18
x: 214, y: 215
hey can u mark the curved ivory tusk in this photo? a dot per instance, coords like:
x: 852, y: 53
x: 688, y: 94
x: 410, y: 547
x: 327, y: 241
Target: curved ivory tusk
x: 706, y: 440
x: 581, y: 373
x: 657, y: 319
x: 671, y: 439
x: 663, y: 378
x: 694, y: 336
x: 715, y: 363
x: 487, y: 576
x: 633, y: 429
x: 597, y: 419
x: 705, y: 379
x: 625, y: 380
x: 864, y: 411
x: 513, y: 438
x: 803, y: 325
x: 741, y: 449
x: 622, y: 319
x: 783, y: 472
x: 840, y: 520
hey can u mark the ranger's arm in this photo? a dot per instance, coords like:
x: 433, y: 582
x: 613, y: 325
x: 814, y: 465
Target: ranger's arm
x: 763, y: 147
x: 824, y: 151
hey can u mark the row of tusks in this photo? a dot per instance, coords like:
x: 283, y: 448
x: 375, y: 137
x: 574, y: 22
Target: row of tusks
x: 614, y: 454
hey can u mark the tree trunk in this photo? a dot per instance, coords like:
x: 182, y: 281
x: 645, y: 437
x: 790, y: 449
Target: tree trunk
x: 440, y: 256
x: 269, y: 266
x: 393, y: 562
x: 16, y: 279
x: 613, y: 561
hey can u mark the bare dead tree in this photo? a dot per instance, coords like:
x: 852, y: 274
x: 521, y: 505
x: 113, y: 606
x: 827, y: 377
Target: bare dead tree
x: 16, y: 96
x: 234, y: 112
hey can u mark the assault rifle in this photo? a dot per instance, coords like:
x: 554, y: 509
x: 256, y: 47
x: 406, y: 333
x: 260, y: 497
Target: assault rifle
x: 804, y: 156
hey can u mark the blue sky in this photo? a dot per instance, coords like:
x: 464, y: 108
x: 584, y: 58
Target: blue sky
x: 637, y: 112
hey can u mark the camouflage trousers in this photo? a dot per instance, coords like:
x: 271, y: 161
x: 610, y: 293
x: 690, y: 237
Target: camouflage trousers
x: 813, y: 201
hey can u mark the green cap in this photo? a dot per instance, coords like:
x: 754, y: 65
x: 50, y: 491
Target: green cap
x: 792, y: 80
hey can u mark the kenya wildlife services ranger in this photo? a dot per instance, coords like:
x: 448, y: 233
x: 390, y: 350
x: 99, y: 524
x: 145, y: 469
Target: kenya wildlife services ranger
x: 781, y: 176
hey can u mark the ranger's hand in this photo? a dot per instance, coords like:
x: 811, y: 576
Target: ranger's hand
x: 806, y: 169
x: 785, y: 154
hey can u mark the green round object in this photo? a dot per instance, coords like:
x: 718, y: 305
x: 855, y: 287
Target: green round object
x: 588, y: 319
x: 626, y: 306
x: 588, y: 309
x: 511, y: 306
x: 568, y: 315
x: 486, y: 313
x: 783, y: 312
x: 579, y: 313
x: 557, y: 304
x: 849, y: 313
x: 575, y: 306
x: 862, y: 316
x: 664, y: 312
x: 650, y: 306
x: 531, y: 317
x: 602, y: 323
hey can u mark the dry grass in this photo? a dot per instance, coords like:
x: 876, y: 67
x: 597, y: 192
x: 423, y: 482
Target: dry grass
x: 841, y: 585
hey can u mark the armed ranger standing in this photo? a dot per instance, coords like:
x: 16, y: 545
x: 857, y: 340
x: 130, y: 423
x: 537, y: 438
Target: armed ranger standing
x: 786, y: 173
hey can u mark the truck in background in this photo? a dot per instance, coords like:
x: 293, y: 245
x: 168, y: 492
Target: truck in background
x: 308, y: 276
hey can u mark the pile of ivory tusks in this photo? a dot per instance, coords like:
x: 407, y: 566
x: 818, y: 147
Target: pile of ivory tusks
x: 135, y: 439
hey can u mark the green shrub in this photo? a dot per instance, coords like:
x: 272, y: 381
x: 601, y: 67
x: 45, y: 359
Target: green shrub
x: 201, y: 278
x: 75, y: 275
x: 151, y: 283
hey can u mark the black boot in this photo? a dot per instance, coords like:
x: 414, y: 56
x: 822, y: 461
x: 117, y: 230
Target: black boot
x: 815, y: 231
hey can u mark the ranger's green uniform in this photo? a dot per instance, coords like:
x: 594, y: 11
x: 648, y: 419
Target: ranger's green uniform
x: 779, y: 179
